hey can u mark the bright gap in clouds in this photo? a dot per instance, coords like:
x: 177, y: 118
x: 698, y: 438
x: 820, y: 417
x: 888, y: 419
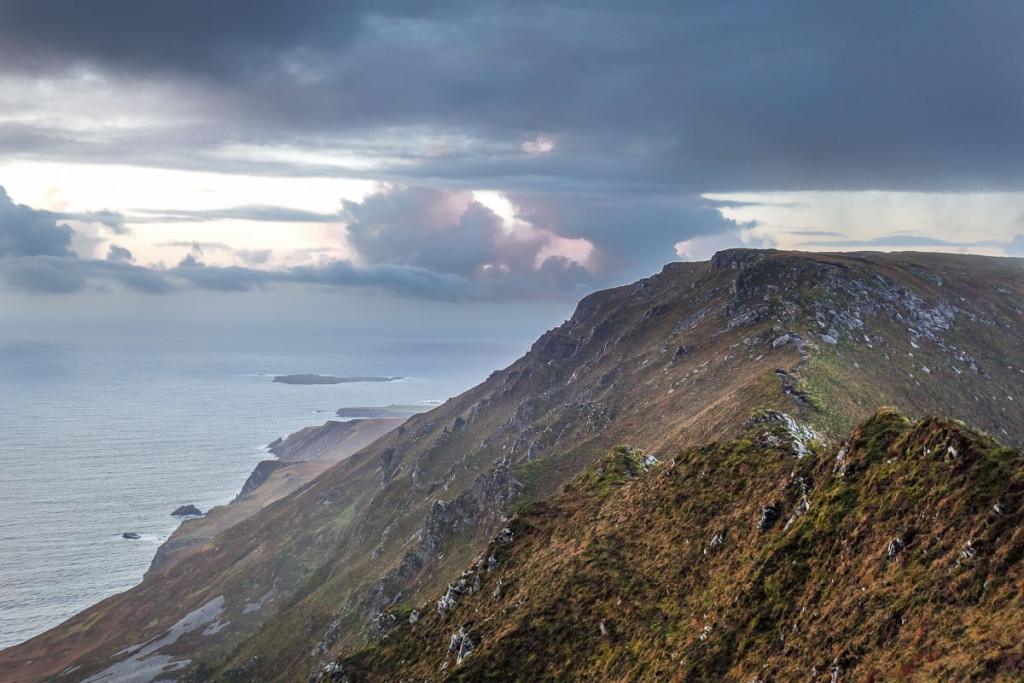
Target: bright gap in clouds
x: 163, y: 210
x: 500, y: 205
x: 869, y: 221
x: 91, y: 187
x: 577, y: 250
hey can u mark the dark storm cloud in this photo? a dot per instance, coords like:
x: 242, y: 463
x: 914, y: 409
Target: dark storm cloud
x: 690, y: 96
x: 27, y: 232
x: 121, y: 254
x: 632, y: 234
x: 216, y: 38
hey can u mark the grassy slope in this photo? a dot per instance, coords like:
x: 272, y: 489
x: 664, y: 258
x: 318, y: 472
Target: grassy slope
x: 677, y: 359
x: 343, y: 440
x: 616, y: 578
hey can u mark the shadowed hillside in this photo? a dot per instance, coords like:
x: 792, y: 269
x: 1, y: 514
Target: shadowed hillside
x: 675, y: 360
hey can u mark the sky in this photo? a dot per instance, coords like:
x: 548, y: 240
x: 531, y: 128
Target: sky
x: 403, y: 156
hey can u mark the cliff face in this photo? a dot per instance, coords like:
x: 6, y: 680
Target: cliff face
x: 895, y: 554
x: 681, y: 358
x: 304, y: 456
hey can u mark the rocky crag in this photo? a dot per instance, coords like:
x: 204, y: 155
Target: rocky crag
x: 816, y: 341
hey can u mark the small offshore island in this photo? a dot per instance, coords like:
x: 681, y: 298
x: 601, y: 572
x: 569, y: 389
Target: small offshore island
x: 328, y: 379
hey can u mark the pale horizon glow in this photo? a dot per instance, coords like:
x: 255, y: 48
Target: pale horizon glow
x: 983, y: 223
x: 149, y: 197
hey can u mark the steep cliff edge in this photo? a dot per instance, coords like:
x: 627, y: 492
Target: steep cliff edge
x: 305, y: 455
x: 674, y: 360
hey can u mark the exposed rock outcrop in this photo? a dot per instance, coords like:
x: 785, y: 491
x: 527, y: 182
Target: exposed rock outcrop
x: 258, y: 477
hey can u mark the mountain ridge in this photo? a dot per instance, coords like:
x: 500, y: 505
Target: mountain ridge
x: 755, y: 559
x: 678, y: 359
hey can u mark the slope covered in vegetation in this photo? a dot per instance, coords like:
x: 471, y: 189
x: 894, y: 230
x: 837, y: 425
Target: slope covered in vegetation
x: 895, y: 555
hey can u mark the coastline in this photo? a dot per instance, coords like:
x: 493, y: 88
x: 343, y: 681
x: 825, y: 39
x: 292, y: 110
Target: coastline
x: 301, y: 457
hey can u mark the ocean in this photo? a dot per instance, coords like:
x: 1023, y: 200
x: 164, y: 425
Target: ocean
x: 105, y: 432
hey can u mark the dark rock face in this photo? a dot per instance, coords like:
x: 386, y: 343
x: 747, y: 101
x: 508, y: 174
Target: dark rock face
x: 187, y: 511
x: 169, y: 548
x: 258, y: 477
x: 738, y: 259
x: 481, y: 504
x: 769, y: 516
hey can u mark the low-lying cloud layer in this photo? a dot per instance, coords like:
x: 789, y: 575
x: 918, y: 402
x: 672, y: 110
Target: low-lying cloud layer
x: 413, y: 242
x: 27, y: 232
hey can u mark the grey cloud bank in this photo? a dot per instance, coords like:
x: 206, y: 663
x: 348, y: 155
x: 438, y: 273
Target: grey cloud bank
x: 27, y: 232
x: 35, y: 257
x: 704, y: 96
x: 602, y: 121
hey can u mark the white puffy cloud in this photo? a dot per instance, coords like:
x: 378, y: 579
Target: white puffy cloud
x: 452, y: 232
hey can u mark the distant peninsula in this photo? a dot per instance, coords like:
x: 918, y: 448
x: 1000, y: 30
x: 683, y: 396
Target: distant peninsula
x: 383, y: 411
x: 328, y: 379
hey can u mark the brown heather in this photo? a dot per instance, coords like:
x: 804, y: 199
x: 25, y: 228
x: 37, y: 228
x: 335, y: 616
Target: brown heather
x: 897, y: 567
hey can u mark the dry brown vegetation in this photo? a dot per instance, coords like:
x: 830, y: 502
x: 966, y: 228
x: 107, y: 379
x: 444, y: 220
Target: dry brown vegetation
x: 902, y: 562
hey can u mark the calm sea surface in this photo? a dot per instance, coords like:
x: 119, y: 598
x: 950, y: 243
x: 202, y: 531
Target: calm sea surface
x: 104, y: 433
